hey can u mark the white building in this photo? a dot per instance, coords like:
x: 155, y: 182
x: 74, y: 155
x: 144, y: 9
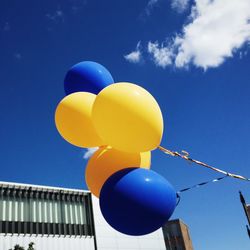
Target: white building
x: 61, y: 219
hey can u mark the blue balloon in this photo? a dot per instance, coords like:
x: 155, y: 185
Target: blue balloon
x: 87, y: 77
x: 137, y: 201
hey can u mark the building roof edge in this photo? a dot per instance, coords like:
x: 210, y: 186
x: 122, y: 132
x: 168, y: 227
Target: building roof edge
x: 41, y: 187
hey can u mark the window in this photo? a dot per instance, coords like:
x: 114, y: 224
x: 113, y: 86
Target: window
x: 38, y: 211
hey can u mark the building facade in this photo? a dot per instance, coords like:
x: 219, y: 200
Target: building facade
x: 58, y: 218
x: 176, y: 235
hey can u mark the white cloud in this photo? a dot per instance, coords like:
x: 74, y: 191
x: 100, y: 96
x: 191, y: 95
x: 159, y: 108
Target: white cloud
x: 78, y: 5
x: 243, y: 54
x: 57, y: 16
x: 179, y: 5
x: 135, y: 56
x: 150, y: 5
x: 162, y: 55
x: 6, y: 26
x: 18, y: 56
x: 89, y: 152
x: 216, y: 30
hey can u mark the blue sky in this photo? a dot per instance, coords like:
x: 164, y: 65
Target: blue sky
x: 193, y: 56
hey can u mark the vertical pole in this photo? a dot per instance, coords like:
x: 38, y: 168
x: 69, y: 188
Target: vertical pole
x: 92, y: 222
x: 243, y: 202
x: 1, y: 209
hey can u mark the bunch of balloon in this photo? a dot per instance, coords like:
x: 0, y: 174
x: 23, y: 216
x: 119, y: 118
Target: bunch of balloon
x: 73, y: 115
x: 125, y: 122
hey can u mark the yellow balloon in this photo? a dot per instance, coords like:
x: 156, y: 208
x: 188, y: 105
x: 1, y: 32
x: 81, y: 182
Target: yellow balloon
x: 73, y: 120
x: 107, y: 161
x: 128, y: 118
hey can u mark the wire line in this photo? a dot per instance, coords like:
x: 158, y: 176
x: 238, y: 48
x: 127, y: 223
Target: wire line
x: 186, y: 157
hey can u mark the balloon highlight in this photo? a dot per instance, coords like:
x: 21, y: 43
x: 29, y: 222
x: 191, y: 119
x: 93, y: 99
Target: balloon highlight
x: 87, y: 77
x: 128, y: 118
x: 137, y: 201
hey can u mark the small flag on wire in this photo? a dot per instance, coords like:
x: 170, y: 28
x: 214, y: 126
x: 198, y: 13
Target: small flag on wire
x: 202, y: 184
x: 197, y: 186
x: 186, y: 157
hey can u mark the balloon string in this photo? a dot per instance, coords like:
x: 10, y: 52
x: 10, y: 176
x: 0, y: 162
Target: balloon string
x: 186, y: 157
x: 202, y: 184
x: 178, y: 197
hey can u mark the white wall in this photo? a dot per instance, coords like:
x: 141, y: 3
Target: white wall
x: 47, y: 243
x: 107, y: 239
x: 110, y: 239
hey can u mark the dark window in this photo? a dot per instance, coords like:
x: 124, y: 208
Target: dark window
x: 30, y: 211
